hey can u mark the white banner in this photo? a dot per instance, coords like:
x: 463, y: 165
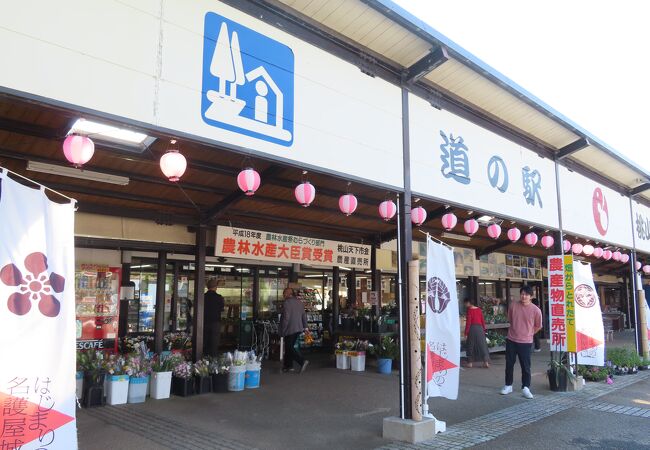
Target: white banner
x: 37, y: 313
x: 268, y: 246
x: 442, y: 323
x: 589, y: 319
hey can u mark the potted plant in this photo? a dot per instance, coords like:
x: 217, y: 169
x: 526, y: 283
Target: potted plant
x: 358, y: 355
x: 161, y: 375
x: 559, y: 372
x: 182, y: 381
x: 92, y: 364
x: 139, y: 370
x: 117, y: 386
x: 342, y: 352
x: 220, y: 368
x: 202, y: 377
x: 645, y: 364
x: 237, y: 375
x: 385, y: 352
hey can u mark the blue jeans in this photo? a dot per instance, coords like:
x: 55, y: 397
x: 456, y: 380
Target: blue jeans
x: 514, y: 350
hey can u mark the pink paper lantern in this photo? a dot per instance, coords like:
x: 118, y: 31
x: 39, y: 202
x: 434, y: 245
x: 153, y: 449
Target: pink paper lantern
x: 616, y: 256
x: 625, y: 258
x: 387, y: 210
x: 588, y: 250
x: 248, y: 181
x: 471, y: 227
x: 566, y: 245
x: 494, y: 231
x: 576, y: 248
x: 646, y: 269
x: 305, y: 193
x: 348, y: 204
x: 530, y: 239
x: 607, y: 255
x: 173, y: 165
x: 449, y: 221
x: 637, y: 265
x: 547, y: 241
x: 418, y: 216
x: 598, y: 252
x: 78, y: 149
x: 514, y: 234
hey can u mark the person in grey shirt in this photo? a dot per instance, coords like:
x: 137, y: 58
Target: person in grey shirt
x: 293, y: 321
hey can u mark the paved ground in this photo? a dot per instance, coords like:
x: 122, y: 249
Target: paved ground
x: 326, y: 408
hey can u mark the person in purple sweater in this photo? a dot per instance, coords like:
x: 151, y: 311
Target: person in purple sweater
x: 525, y: 320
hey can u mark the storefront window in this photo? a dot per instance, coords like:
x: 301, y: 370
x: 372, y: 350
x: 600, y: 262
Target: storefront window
x: 272, y: 283
x: 142, y: 309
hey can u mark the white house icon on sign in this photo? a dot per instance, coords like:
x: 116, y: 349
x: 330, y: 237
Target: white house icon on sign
x: 227, y: 107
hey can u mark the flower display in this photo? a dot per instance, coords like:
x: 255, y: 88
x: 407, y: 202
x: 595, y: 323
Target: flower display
x: 116, y: 365
x: 202, y: 368
x: 183, y: 370
x: 138, y: 366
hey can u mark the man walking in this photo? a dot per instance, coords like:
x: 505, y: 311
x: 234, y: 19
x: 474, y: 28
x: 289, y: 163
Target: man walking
x: 293, y: 321
x: 525, y: 320
x: 212, y: 309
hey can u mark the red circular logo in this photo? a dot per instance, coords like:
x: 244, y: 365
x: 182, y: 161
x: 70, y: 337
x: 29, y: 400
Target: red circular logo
x: 601, y: 214
x: 585, y: 296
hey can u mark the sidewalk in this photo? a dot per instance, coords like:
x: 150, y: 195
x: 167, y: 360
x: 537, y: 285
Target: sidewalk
x: 327, y: 408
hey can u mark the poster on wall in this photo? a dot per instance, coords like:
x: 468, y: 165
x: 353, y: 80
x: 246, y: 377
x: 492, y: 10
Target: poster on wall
x: 589, y: 320
x: 37, y: 384
x: 442, y: 324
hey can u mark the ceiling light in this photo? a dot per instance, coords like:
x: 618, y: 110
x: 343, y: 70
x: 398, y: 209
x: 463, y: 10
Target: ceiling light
x: 107, y: 132
x: 220, y: 265
x: 458, y: 237
x: 313, y: 275
x: 344, y: 268
x: 485, y: 219
x: 77, y: 173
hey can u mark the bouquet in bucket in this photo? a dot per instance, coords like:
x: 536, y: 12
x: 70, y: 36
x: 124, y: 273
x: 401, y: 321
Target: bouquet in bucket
x: 239, y: 358
x: 202, y: 368
x: 138, y: 366
x: 116, y: 365
x: 183, y: 370
x: 220, y: 364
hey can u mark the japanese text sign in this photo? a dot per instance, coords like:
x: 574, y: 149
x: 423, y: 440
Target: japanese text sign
x: 267, y: 246
x: 557, y: 303
x: 570, y: 305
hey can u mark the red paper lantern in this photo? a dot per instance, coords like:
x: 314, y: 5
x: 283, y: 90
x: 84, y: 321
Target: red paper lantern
x: 576, y: 248
x: 173, y: 165
x: 598, y: 252
x: 248, y: 181
x: 566, y: 245
x: 449, y: 221
x: 530, y: 239
x: 625, y: 258
x: 646, y: 269
x: 387, y: 210
x: 418, y: 216
x: 547, y: 241
x: 588, y: 250
x: 494, y: 230
x: 348, y: 204
x: 607, y: 255
x: 637, y: 265
x: 514, y: 234
x: 305, y: 193
x: 78, y: 149
x: 616, y: 256
x: 471, y: 227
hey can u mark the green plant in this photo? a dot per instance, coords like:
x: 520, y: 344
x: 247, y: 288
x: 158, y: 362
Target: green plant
x: 387, y: 348
x: 90, y: 360
x: 559, y: 366
x: 593, y: 373
x: 624, y: 357
x: 165, y: 363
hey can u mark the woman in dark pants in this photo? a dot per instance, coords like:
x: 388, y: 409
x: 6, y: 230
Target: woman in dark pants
x: 477, y: 350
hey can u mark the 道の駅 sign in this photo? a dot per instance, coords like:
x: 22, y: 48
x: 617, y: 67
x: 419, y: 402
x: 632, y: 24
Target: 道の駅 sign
x: 267, y: 246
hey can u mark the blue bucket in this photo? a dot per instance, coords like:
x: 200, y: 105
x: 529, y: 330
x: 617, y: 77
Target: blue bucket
x: 237, y: 378
x: 384, y: 365
x: 252, y: 379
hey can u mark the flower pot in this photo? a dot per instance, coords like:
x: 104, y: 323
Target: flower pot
x: 137, y: 389
x: 237, y: 378
x: 117, y: 391
x: 161, y: 383
x: 252, y: 377
x: 342, y: 360
x: 557, y: 383
x: 203, y: 385
x: 384, y: 365
x: 220, y: 382
x: 183, y: 387
x: 79, y: 378
x: 358, y: 361
x: 93, y: 389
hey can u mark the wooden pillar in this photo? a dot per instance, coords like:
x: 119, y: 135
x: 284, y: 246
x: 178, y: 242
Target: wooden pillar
x: 256, y: 292
x: 336, y: 303
x: 508, y: 288
x: 199, y: 292
x: 159, y: 324
x: 375, y: 276
x: 352, y: 287
x: 414, y: 327
x: 174, y: 314
x: 123, y: 320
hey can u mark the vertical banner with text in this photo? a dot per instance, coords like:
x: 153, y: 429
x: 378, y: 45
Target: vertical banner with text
x: 557, y: 303
x: 589, y: 318
x: 569, y: 284
x: 442, y: 324
x: 37, y: 313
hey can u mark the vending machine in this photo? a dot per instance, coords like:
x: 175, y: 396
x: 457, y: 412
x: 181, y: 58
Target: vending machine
x: 97, y: 306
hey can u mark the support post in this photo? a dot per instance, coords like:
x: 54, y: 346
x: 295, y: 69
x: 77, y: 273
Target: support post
x: 643, y: 324
x: 375, y: 276
x: 336, y: 303
x: 174, y: 313
x: 199, y: 291
x: 256, y: 293
x: 405, y: 254
x: 123, y: 320
x: 159, y: 326
x: 415, y: 351
x: 636, y: 285
x: 352, y: 288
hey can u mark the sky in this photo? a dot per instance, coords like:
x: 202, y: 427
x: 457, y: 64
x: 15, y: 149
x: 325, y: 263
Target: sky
x: 588, y: 60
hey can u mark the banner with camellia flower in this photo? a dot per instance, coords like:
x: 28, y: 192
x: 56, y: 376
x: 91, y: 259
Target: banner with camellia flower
x: 37, y: 317
x: 590, y: 334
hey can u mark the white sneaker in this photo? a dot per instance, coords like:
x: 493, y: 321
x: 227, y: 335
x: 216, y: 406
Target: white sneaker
x: 506, y: 390
x: 537, y: 350
x: 526, y: 393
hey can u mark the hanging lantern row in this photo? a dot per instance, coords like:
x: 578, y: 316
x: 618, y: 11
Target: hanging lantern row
x: 305, y: 193
x: 387, y: 210
x: 514, y: 234
x: 418, y: 216
x: 471, y: 227
x: 494, y: 230
x: 449, y: 221
x: 547, y: 241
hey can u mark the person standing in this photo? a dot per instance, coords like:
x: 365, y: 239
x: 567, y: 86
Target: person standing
x: 525, y: 320
x: 477, y: 350
x: 293, y: 321
x: 213, y: 307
